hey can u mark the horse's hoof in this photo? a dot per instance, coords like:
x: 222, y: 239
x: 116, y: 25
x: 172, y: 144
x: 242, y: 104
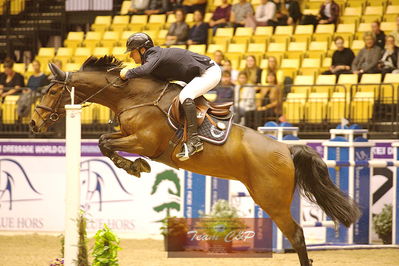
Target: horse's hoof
x: 143, y: 165
x: 133, y: 171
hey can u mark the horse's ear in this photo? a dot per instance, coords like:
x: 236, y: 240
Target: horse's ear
x: 57, y: 72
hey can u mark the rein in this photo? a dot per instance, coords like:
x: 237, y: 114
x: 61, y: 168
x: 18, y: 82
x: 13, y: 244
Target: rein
x: 154, y: 103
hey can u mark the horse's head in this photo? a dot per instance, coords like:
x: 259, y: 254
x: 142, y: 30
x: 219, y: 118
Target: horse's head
x: 51, y: 106
x: 95, y: 74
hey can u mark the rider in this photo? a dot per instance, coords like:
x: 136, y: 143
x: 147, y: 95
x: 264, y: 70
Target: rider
x: 199, y: 72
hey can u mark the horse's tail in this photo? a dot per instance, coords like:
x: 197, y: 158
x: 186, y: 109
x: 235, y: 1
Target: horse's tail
x: 311, y: 175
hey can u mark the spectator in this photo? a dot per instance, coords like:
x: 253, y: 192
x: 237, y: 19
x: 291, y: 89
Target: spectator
x: 38, y: 78
x: 240, y: 12
x: 178, y: 31
x: 199, y: 32
x: 389, y: 59
x: 221, y: 16
x: 379, y: 34
x: 225, y: 90
x: 367, y: 59
x: 11, y: 82
x: 341, y: 60
x: 270, y: 98
x: 395, y: 34
x: 272, y: 66
x: 218, y: 57
x: 253, y: 72
x: 244, y: 97
x: 157, y: 7
x: 287, y: 13
x: 329, y: 13
x: 138, y: 6
x: 190, y: 6
x: 264, y: 12
x: 294, y: 11
x: 228, y: 67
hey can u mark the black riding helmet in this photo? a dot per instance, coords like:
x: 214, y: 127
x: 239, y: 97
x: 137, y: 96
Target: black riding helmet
x: 137, y: 41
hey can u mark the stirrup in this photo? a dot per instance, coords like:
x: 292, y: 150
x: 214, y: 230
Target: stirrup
x: 188, y: 151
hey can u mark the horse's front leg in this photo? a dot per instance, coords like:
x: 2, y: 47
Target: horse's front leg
x: 131, y: 167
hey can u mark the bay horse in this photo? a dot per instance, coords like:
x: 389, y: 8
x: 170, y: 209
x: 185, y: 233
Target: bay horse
x: 269, y: 169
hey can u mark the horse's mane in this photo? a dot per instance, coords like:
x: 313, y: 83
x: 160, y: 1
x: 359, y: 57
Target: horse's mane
x: 101, y: 64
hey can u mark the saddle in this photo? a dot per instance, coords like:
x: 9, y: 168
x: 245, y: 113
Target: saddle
x: 214, y: 119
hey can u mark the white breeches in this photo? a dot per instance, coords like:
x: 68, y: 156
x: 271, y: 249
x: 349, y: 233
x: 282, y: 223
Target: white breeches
x: 202, y: 84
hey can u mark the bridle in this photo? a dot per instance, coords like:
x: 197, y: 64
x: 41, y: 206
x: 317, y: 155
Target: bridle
x: 55, y: 115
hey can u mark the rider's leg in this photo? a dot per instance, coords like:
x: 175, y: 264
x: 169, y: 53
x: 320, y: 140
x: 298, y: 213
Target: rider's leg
x: 197, y: 87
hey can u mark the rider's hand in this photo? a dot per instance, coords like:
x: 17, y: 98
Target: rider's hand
x: 123, y: 72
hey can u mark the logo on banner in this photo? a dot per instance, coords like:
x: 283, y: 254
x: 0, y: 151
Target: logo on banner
x: 170, y: 177
x: 15, y: 184
x: 101, y: 185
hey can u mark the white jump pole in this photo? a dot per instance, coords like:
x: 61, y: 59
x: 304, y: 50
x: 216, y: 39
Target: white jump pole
x: 72, y: 193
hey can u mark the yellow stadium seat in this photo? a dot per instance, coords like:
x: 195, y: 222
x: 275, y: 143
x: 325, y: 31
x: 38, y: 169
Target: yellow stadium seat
x: 325, y: 80
x: 88, y: 114
x: 137, y: 22
x: 101, y: 51
x: 120, y: 23
x: 125, y: 7
x: 284, y: 30
x: 262, y: 34
x: 302, y: 80
x: 346, y: 30
x: 93, y: 39
x: 101, y: 23
x: 391, y: 13
x: 324, y: 32
x: 361, y: 29
x: 388, y: 26
x: 110, y: 39
x: 327, y: 61
x: 374, y: 79
x: 351, y: 15
x: 280, y: 74
x: 189, y: 18
x: 19, y: 67
x: 303, y: 33
x: 170, y: 19
x: 290, y: 66
x: 357, y: 45
x: 257, y: 49
x: 376, y: 2
x: 45, y: 55
x: 346, y: 81
x: 294, y: 107
x: 81, y: 54
x: 64, y: 54
x: 338, y: 107
x: 207, y: 17
x: 235, y: 50
x: 101, y: 114
x: 276, y: 49
x: 312, y: 11
x: 374, y: 10
x: 119, y: 52
x: 71, y: 67
x: 243, y: 35
x: 74, y: 39
x: 125, y: 36
x: 316, y: 107
x: 213, y: 47
x: 362, y: 107
x: 389, y: 91
x: 197, y: 48
x: 310, y: 66
x: 296, y: 49
x: 161, y: 36
x: 9, y: 109
x: 156, y: 22
x: 223, y: 35
x: 152, y: 33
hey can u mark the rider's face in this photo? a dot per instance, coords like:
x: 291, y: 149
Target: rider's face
x: 135, y: 56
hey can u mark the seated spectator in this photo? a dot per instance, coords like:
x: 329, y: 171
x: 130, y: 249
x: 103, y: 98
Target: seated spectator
x: 328, y: 13
x: 389, y: 60
x: 264, y: 12
x: 367, y: 59
x: 244, y: 97
x: 253, y: 72
x: 270, y: 98
x: 294, y: 11
x: 272, y: 66
x: 157, y: 7
x: 38, y: 79
x: 178, y: 31
x: 190, y: 6
x: 199, y: 32
x: 228, y: 67
x: 221, y: 16
x: 341, y: 60
x: 240, y: 12
x: 11, y: 82
x: 138, y: 6
x: 218, y: 57
x: 395, y: 34
x: 225, y: 90
x: 379, y: 34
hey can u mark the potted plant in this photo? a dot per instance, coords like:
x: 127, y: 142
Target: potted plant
x: 383, y: 224
x: 220, y: 222
x: 174, y: 230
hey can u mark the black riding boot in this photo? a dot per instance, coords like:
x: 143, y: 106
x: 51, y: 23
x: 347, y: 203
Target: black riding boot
x: 194, y: 143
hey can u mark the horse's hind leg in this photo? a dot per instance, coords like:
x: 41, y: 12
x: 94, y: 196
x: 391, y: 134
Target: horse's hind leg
x: 131, y: 167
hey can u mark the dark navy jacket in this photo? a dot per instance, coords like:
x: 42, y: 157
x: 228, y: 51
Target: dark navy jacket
x: 171, y: 64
